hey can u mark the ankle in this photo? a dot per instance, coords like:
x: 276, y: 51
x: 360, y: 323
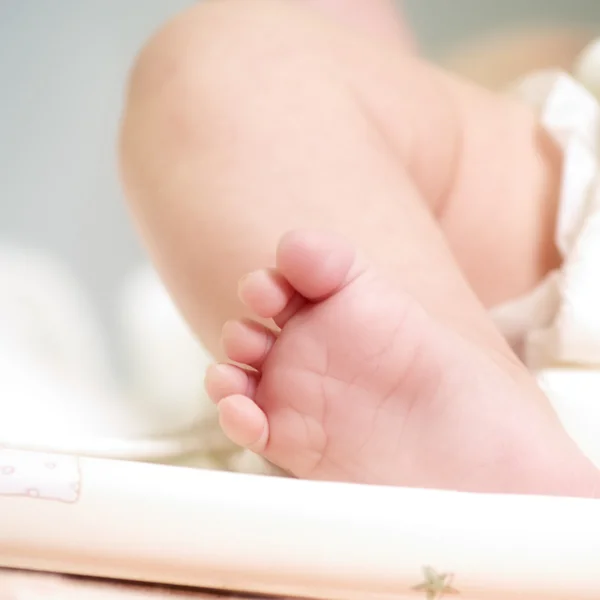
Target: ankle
x: 517, y: 192
x: 579, y: 479
x: 560, y: 469
x: 547, y: 189
x: 537, y: 167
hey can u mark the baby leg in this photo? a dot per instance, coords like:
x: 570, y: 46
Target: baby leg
x: 378, y: 17
x: 247, y: 120
x: 244, y: 121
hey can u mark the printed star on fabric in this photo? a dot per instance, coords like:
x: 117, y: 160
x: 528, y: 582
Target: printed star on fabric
x: 436, y: 585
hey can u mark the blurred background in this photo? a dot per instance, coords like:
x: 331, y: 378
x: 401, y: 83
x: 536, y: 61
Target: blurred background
x: 63, y: 66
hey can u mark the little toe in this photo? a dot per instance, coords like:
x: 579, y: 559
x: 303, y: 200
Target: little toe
x: 224, y: 380
x: 244, y: 423
x: 316, y: 264
x: 247, y: 342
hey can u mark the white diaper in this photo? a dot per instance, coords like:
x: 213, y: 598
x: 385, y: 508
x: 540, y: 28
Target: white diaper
x: 556, y: 328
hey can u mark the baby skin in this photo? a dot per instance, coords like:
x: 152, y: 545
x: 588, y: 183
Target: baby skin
x: 356, y: 382
x: 394, y: 205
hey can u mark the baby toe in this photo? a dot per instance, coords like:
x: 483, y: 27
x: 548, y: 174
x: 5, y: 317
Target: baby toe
x: 244, y: 423
x: 224, y: 380
x: 266, y: 292
x: 247, y: 342
x: 316, y: 264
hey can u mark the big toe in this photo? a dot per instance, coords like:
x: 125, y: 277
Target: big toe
x: 316, y: 264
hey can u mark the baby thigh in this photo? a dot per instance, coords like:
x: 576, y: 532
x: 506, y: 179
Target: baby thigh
x: 245, y: 120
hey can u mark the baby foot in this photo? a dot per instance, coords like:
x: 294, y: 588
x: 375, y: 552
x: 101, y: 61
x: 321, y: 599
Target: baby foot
x: 357, y: 383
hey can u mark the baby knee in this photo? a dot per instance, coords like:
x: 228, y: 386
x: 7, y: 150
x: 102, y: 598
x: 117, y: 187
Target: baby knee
x: 208, y: 85
x: 210, y: 64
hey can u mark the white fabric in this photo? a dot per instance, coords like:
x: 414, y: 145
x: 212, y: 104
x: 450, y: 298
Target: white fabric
x: 58, y: 392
